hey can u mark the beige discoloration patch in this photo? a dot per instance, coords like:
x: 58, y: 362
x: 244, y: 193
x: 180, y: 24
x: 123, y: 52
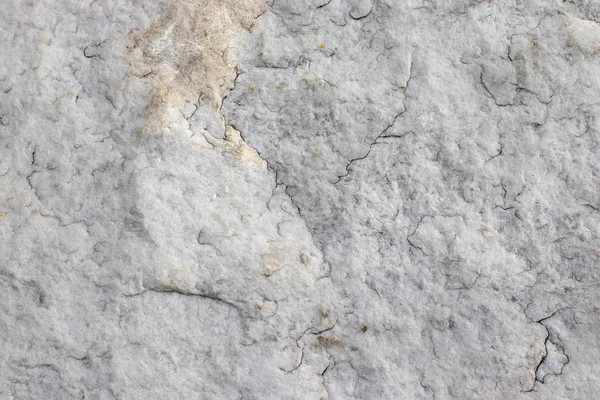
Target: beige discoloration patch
x: 279, y: 254
x: 330, y: 341
x: 235, y: 145
x: 189, y: 52
x: 175, y: 278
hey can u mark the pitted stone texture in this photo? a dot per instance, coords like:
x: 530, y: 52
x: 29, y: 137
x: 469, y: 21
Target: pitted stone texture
x: 382, y: 199
x: 454, y: 196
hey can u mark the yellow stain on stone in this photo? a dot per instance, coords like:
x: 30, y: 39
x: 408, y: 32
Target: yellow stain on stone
x: 190, y: 52
x: 235, y: 145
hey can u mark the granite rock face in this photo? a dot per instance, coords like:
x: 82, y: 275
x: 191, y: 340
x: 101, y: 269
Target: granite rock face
x: 299, y: 199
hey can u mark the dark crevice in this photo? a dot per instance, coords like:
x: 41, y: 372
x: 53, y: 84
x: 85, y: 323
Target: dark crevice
x: 548, y: 338
x: 323, y: 5
x: 481, y: 80
x: 373, y: 143
x: 495, y: 155
x: 362, y: 16
x: 182, y: 292
x: 203, y: 243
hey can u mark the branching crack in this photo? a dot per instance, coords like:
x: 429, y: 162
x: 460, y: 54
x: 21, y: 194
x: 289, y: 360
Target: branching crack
x: 411, y: 244
x: 482, y: 81
x: 539, y: 376
x: 270, y: 167
x: 302, y: 347
x: 495, y: 155
x: 374, y: 142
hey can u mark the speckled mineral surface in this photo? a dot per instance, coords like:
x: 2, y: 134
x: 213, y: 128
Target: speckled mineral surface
x: 300, y: 199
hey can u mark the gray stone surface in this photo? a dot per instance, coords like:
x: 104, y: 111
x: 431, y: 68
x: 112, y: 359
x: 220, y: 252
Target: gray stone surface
x: 305, y: 199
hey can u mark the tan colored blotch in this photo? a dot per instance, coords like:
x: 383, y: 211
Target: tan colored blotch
x: 188, y: 52
x: 279, y: 254
x: 235, y: 145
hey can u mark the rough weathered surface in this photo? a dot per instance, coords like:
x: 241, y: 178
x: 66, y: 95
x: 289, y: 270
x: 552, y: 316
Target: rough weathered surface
x: 305, y: 199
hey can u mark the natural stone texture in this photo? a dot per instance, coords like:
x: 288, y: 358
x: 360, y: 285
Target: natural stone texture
x: 207, y: 199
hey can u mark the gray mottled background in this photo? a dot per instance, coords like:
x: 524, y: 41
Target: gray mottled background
x: 300, y: 199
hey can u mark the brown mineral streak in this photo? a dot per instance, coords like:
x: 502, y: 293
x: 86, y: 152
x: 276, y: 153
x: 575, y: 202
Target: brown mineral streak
x: 188, y: 52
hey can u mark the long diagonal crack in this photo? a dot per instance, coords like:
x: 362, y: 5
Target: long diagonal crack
x: 373, y: 143
x: 183, y: 292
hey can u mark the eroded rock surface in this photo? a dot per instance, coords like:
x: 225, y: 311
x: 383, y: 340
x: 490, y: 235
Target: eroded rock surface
x: 365, y: 199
